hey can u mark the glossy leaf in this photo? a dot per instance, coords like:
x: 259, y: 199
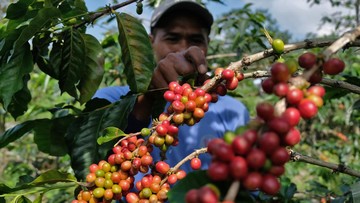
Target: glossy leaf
x: 41, y: 183
x: 44, y: 16
x: 83, y: 133
x: 93, y: 68
x: 72, y: 64
x: 110, y: 133
x: 20, y: 100
x: 13, y: 72
x: 137, y: 54
x: 17, y: 131
x: 49, y: 136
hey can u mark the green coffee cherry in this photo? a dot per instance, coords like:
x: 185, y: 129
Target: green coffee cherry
x: 145, y: 132
x: 139, y: 8
x: 278, y: 46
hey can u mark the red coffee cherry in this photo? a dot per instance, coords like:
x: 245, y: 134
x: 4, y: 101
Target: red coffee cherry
x: 195, y: 163
x: 316, y: 90
x: 294, y: 96
x: 207, y: 195
x: 292, y: 116
x: 292, y: 137
x: 232, y: 83
x: 333, y: 66
x: 281, y: 89
x: 307, y: 60
x: 280, y: 156
x: 162, y: 167
x: 265, y: 111
x: 279, y: 72
x: 269, y: 142
x: 268, y: 85
x: 169, y: 96
x: 238, y: 168
x: 279, y: 125
x: 253, y: 181
x: 218, y: 171
x: 192, y: 196
x: 277, y: 170
x: 240, y: 145
x: 307, y: 109
x: 270, y: 185
x: 227, y: 74
x: 256, y: 158
x: 316, y: 77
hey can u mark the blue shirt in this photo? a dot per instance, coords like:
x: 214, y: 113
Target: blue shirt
x: 224, y: 115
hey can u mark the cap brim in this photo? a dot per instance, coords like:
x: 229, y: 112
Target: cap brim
x: 189, y: 6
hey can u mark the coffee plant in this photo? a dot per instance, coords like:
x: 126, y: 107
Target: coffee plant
x: 247, y: 165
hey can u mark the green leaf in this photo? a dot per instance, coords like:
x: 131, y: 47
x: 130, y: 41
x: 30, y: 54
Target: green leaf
x: 49, y: 180
x: 17, y: 131
x: 21, y: 199
x: 136, y: 51
x: 7, y: 44
x: 355, y: 192
x: 83, y: 133
x: 50, y: 135
x: 110, y: 133
x: 18, y: 9
x: 44, y: 16
x: 72, y: 64
x: 20, y: 100
x: 54, y: 62
x: 12, y: 74
x: 356, y: 105
x: 93, y: 68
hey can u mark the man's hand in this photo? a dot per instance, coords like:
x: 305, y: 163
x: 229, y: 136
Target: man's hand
x: 184, y: 63
x: 169, y: 69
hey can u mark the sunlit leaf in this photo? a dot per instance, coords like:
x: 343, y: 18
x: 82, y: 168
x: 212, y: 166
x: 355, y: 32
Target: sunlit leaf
x: 136, y: 51
x: 42, y: 182
x: 110, y: 133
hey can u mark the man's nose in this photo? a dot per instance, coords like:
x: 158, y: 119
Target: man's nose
x: 183, y: 45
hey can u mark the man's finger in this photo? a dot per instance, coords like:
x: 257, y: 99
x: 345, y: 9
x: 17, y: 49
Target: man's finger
x: 197, y: 57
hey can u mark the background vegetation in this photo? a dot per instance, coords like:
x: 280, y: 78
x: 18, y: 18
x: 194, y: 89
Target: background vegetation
x: 43, y: 103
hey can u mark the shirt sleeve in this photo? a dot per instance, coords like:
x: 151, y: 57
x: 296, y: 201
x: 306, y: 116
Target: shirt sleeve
x: 113, y: 94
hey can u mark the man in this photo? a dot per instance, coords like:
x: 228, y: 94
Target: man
x: 180, y: 37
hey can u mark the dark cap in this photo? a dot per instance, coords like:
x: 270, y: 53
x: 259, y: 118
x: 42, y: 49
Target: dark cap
x: 168, y: 6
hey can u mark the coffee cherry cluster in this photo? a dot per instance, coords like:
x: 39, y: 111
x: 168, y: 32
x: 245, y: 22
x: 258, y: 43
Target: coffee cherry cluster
x: 188, y: 106
x: 332, y: 66
x: 230, y: 80
x: 113, y: 179
x: 300, y: 100
x: 256, y: 159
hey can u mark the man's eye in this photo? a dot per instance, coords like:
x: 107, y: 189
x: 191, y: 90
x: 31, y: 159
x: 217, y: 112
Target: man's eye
x: 197, y: 41
x: 172, y: 39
